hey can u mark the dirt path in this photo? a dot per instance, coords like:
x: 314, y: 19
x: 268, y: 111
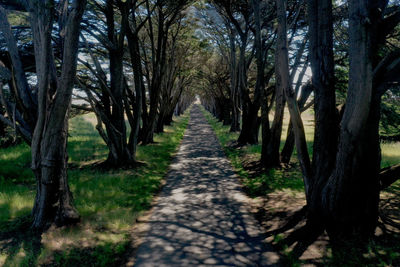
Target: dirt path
x: 200, y: 219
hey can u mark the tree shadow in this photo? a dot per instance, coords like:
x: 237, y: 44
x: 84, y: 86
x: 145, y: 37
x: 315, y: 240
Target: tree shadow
x: 20, y: 243
x: 295, y: 239
x: 107, y: 254
x: 200, y: 218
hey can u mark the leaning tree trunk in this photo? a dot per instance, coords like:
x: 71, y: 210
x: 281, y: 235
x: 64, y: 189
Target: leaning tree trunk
x: 53, y: 202
x: 282, y: 73
x: 287, y: 149
x: 134, y: 50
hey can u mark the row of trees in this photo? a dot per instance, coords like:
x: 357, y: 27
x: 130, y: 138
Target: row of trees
x: 135, y: 60
x: 123, y: 60
x: 352, y: 49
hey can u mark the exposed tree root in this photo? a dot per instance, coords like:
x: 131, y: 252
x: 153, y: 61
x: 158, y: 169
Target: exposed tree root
x: 389, y: 175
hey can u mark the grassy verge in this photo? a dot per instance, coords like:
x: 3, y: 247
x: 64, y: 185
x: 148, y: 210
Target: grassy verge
x: 277, y: 179
x: 282, y: 190
x: 255, y: 184
x: 108, y: 202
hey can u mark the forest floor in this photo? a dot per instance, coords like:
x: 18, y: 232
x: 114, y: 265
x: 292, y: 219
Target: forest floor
x: 276, y: 198
x: 201, y: 216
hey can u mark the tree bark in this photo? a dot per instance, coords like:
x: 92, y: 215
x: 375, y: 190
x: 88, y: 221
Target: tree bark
x: 350, y: 198
x: 234, y: 97
x: 326, y: 118
x: 271, y: 154
x: 2, y: 125
x: 53, y: 201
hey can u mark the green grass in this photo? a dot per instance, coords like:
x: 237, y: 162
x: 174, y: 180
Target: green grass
x: 277, y: 179
x: 382, y: 251
x: 109, y: 202
x: 390, y: 154
x: 263, y: 183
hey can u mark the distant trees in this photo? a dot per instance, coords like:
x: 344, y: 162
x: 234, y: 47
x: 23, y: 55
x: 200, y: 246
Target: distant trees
x: 109, y: 103
x: 140, y: 62
x: 247, y: 32
x: 140, y: 42
x: 128, y: 70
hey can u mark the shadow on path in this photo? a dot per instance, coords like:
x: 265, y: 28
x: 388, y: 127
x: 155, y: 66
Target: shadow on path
x: 200, y: 218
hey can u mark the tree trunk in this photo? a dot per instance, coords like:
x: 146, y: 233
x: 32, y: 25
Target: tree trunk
x: 226, y: 112
x: 234, y: 97
x: 250, y: 119
x: 271, y: 157
x: 53, y: 201
x: 265, y: 130
x: 2, y: 125
x: 351, y: 196
x: 159, y: 65
x: 119, y: 153
x: 326, y: 118
x: 287, y: 150
x: 169, y: 120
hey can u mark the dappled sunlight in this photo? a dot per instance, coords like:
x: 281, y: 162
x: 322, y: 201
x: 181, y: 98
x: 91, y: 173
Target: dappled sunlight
x: 84, y: 235
x: 15, y: 201
x: 13, y: 153
x: 256, y: 182
x: 390, y: 154
x: 200, y: 217
x: 278, y: 198
x: 3, y: 258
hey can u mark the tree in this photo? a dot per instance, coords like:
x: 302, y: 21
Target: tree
x: 239, y: 15
x: 53, y: 201
x: 342, y: 191
x: 167, y: 13
x: 23, y: 120
x: 107, y: 98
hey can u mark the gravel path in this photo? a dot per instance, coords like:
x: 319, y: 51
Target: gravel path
x: 200, y: 218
